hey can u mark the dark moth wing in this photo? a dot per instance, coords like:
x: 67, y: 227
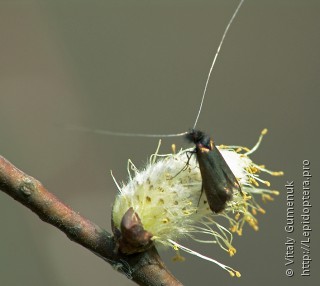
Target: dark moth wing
x: 218, y: 181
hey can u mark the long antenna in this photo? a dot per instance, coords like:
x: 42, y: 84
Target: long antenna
x: 107, y: 132
x: 214, y: 61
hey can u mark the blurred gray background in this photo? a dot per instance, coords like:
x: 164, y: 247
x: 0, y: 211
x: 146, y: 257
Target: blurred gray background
x: 140, y: 66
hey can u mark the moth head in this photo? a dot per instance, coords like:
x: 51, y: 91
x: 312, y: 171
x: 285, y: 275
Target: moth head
x: 199, y: 138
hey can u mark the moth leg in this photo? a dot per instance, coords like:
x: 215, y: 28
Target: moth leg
x: 201, y: 193
x: 189, y: 154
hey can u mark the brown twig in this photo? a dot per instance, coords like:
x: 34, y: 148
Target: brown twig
x: 145, y: 268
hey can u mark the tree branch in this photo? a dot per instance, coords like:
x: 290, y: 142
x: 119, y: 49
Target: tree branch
x: 145, y: 268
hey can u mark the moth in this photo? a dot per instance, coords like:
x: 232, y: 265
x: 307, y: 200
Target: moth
x: 218, y: 181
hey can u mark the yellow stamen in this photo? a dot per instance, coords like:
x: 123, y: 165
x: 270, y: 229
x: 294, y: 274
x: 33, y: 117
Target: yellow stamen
x: 261, y: 210
x: 232, y: 251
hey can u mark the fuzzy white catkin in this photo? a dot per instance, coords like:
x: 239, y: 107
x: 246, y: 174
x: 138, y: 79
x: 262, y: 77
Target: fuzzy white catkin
x: 166, y: 193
